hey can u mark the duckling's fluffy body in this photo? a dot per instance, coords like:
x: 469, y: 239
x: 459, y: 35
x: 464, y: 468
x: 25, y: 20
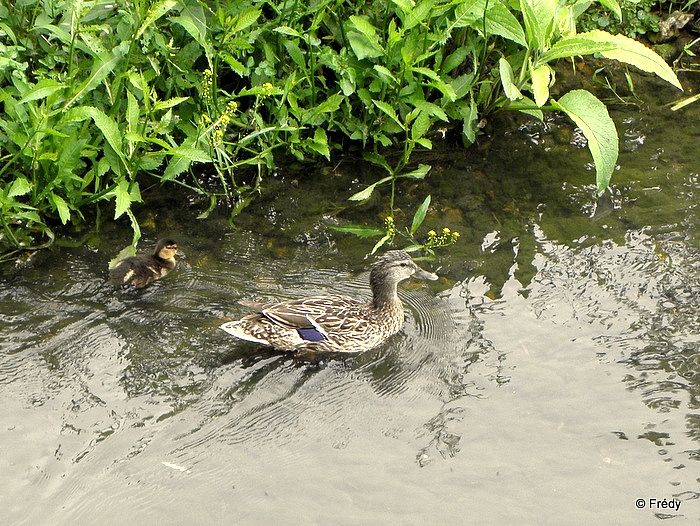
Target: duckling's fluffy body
x: 332, y: 323
x: 138, y: 271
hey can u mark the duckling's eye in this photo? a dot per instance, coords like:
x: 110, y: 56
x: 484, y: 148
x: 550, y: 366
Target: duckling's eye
x: 403, y: 264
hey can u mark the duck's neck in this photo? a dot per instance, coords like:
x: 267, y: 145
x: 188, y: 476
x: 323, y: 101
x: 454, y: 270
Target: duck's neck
x: 384, y: 294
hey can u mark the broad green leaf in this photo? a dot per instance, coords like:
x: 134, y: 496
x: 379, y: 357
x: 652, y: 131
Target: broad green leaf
x: 101, y: 68
x: 156, y: 11
x: 295, y: 53
x: 286, y: 30
x: 508, y: 81
x: 389, y: 110
x: 246, y: 19
x: 193, y: 19
x: 123, y: 198
x: 363, y: 47
x: 20, y: 186
x: 538, y: 16
x: 43, y: 89
x: 420, y: 126
x: 191, y: 154
x: 384, y: 72
x: 419, y: 216
x: 382, y: 242
x: 416, y: 15
x: 500, y: 21
x: 431, y: 109
x: 456, y: 59
x: 320, y: 143
x: 165, y: 104
x: 364, y: 26
x: 60, y: 205
x: 126, y: 252
x: 617, y: 47
x: 106, y: 124
x: 541, y: 77
x: 613, y: 6
x: 527, y: 106
x: 367, y: 192
x: 418, y: 173
x: 592, y: 117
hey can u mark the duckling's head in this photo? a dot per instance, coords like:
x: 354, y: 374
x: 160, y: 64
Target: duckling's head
x: 395, y: 266
x: 166, y: 249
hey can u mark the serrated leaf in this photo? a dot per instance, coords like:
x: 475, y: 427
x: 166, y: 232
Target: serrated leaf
x: 246, y: 19
x: 19, y: 186
x: 43, y: 89
x: 165, y: 104
x: 60, y: 205
x: 389, y: 111
x: 191, y: 154
x: 364, y: 26
x: 363, y: 47
x: 418, y: 173
x: 286, y: 30
x: 419, y: 216
x: 592, y: 117
x: 156, y: 11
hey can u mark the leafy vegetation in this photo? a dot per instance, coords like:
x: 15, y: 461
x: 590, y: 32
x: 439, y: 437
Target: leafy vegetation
x: 101, y: 99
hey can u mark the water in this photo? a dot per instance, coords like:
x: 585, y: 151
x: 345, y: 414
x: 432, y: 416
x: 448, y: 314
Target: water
x: 550, y: 376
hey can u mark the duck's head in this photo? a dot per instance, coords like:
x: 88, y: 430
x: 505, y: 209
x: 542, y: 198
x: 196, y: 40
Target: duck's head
x: 166, y: 249
x: 395, y: 266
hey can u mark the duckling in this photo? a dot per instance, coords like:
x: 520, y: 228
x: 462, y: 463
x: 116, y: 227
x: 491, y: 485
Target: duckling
x: 332, y: 323
x: 139, y: 271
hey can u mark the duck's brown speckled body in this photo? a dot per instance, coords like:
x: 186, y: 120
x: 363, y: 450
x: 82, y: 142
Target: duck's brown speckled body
x: 139, y: 271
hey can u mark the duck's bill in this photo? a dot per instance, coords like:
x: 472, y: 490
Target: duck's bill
x: 424, y: 274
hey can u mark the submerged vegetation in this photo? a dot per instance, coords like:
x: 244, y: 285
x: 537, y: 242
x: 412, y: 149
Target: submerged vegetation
x: 102, y: 99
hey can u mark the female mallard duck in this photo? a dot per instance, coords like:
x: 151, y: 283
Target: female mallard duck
x: 332, y: 323
x: 139, y: 271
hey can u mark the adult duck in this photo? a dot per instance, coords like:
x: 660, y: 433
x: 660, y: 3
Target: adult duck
x: 330, y: 323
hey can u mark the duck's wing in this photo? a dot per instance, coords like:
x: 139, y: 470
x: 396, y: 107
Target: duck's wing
x: 313, y: 317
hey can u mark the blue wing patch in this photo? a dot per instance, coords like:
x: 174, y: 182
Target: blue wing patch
x: 311, y: 335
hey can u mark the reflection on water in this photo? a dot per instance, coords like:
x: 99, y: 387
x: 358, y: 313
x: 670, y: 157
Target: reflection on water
x: 555, y: 356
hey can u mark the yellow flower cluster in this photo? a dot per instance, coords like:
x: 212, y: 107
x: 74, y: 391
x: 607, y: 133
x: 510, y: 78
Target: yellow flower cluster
x: 206, y: 84
x: 267, y: 89
x: 444, y: 239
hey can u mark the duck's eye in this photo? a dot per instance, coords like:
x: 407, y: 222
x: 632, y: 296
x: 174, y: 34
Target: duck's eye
x: 403, y: 264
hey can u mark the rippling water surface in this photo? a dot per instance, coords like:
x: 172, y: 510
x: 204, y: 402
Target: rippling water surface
x: 551, y: 376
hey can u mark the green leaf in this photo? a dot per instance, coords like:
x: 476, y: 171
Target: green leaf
x: 364, y: 26
x: 381, y: 242
x: 363, y: 47
x: 420, y: 126
x: 500, y: 21
x: 193, y: 19
x: 246, y: 19
x: 165, y: 104
x: 508, y: 81
x: 365, y: 194
x: 359, y: 231
x: 384, y: 72
x: 101, y: 68
x: 106, y: 124
x: 43, y: 89
x: 592, y: 117
x: 541, y: 77
x: 378, y: 160
x: 191, y: 154
x: 418, y: 173
x: 156, y: 11
x: 617, y: 47
x: 123, y: 198
x: 286, y: 30
x: 20, y: 186
x: 419, y: 216
x: 60, y: 205
x: 388, y: 110
x: 126, y: 252
x: 132, y: 112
